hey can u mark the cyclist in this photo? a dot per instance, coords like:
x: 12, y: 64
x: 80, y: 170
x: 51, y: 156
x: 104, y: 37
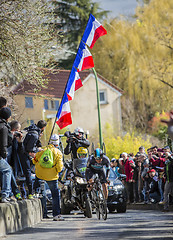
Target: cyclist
x: 96, y: 164
x: 74, y: 141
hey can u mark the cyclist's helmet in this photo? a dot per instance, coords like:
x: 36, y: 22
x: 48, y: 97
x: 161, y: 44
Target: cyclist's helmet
x: 82, y: 152
x: 78, y: 130
x: 54, y: 140
x: 98, y: 153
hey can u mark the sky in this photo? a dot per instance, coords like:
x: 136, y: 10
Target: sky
x: 118, y: 7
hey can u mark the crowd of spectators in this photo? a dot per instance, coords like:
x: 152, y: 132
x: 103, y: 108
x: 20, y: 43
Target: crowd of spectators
x: 149, y: 175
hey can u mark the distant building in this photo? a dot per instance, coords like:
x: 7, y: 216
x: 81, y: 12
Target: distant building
x: 33, y: 106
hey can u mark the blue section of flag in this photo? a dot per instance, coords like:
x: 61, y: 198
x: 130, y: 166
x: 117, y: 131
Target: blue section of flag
x: 88, y: 28
x: 71, y: 80
x: 64, y: 100
x: 79, y: 55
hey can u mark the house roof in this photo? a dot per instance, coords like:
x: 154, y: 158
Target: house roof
x: 56, y: 84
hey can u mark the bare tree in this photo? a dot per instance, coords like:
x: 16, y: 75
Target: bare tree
x: 25, y: 40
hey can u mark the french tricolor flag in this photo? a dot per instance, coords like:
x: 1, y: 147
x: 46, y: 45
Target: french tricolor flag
x: 74, y: 83
x: 93, y: 31
x: 63, y: 117
x: 84, y: 59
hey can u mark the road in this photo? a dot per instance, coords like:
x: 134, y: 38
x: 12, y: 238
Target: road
x: 134, y: 224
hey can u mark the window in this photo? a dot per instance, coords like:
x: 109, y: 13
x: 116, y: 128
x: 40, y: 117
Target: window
x: 28, y: 102
x: 57, y: 104
x: 46, y: 104
x: 51, y: 104
x: 103, y: 99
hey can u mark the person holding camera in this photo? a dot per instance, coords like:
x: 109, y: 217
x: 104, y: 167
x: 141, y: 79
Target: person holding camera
x: 74, y: 141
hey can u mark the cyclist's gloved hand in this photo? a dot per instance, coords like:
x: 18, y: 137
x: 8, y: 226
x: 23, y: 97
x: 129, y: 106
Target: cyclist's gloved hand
x: 107, y: 180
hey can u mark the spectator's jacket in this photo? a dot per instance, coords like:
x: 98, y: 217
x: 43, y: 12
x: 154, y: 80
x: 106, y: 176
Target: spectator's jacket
x: 169, y: 169
x: 17, y: 150
x: 5, y: 137
x: 72, y: 146
x: 93, y: 165
x: 157, y: 164
x: 49, y: 174
x: 136, y: 173
x: 128, y: 170
x: 154, y: 162
x: 121, y: 166
x: 32, y: 138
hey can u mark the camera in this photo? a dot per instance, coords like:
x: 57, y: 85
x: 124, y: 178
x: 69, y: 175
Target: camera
x: 17, y: 134
x: 68, y: 134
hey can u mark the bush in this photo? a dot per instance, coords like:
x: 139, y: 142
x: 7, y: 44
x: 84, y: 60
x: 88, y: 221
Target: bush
x: 129, y: 143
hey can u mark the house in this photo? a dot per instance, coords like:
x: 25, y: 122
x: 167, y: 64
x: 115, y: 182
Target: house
x: 33, y: 106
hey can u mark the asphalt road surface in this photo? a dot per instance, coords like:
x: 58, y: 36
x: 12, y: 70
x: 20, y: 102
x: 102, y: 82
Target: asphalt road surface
x: 134, y: 224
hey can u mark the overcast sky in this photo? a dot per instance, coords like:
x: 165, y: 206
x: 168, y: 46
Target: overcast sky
x: 123, y: 7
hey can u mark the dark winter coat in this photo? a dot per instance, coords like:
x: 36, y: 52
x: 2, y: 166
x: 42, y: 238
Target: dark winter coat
x: 5, y: 137
x: 73, y: 145
x: 32, y: 138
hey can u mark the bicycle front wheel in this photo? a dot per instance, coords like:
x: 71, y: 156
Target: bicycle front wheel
x: 98, y: 210
x: 102, y: 205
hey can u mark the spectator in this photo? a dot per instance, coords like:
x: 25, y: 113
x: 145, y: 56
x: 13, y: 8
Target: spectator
x: 151, y: 187
x: 167, y: 149
x: 121, y: 165
x: 136, y: 180
x: 115, y: 166
x: 31, y: 146
x: 168, y: 189
x: 50, y: 175
x: 5, y: 168
x: 12, y: 158
x: 160, y: 170
x: 143, y: 175
x: 153, y: 158
x: 128, y: 166
x: 142, y: 151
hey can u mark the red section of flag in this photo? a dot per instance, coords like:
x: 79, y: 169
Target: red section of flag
x: 65, y: 120
x: 100, y: 31
x: 78, y: 84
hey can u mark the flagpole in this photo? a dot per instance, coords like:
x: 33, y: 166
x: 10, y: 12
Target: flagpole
x: 98, y: 107
x: 57, y: 112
